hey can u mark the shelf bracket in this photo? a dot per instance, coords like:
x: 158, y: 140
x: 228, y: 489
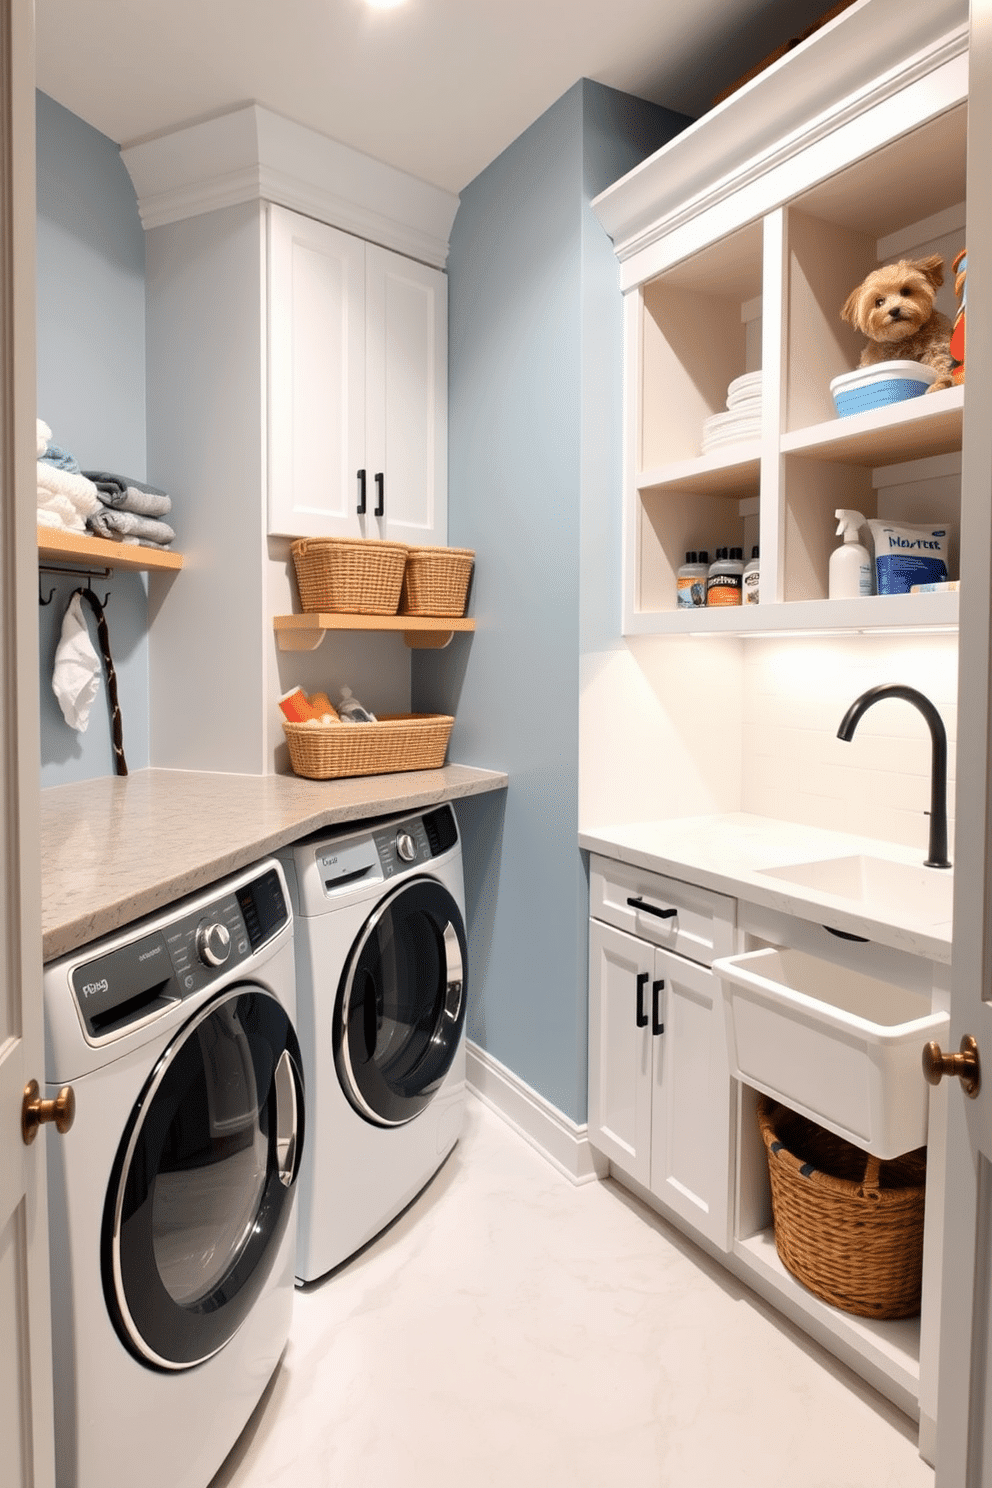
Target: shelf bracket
x: 300, y: 640
x: 428, y: 640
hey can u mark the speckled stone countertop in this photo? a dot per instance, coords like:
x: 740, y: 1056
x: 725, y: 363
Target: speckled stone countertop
x: 118, y: 848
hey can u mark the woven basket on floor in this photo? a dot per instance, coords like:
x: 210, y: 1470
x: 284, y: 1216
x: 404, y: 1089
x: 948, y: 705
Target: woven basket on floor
x: 848, y: 1226
x: 351, y: 576
x: 408, y: 741
x: 436, y: 581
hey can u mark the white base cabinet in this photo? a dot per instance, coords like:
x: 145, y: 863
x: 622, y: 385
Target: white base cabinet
x: 681, y: 1131
x: 357, y: 395
x: 659, y: 1087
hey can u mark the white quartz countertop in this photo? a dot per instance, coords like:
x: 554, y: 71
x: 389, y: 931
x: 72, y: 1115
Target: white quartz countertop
x: 733, y: 853
x: 118, y: 848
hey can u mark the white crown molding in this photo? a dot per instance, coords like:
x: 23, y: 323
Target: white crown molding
x: 252, y: 154
x: 854, y: 63
x: 558, y: 1139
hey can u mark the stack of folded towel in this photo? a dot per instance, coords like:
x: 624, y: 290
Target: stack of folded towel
x: 743, y: 417
x: 65, y: 497
x: 107, y: 505
x: 130, y: 511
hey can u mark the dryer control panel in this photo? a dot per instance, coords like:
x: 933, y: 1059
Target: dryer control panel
x: 385, y: 851
x: 135, y: 981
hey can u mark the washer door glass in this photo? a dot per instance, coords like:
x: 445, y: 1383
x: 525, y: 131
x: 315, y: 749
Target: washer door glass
x: 202, y: 1186
x: 400, y: 1007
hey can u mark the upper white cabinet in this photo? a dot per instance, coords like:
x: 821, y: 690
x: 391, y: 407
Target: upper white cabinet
x: 357, y: 387
x: 739, y: 242
x: 283, y: 349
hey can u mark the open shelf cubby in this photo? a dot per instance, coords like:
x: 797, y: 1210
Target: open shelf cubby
x: 728, y: 290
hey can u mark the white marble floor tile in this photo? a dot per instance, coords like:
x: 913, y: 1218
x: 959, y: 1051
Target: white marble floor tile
x: 513, y: 1331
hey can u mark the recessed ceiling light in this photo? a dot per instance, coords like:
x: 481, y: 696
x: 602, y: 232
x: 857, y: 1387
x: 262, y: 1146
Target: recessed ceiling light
x: 384, y: 4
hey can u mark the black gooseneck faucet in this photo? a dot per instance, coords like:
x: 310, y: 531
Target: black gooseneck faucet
x: 937, y: 855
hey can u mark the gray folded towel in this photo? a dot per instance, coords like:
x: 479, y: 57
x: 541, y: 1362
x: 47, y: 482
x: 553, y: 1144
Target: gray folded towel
x: 124, y: 493
x: 118, y: 524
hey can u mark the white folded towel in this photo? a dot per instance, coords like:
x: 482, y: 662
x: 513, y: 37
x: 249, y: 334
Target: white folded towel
x: 42, y: 436
x: 76, y: 676
x: 58, y: 511
x: 76, y: 488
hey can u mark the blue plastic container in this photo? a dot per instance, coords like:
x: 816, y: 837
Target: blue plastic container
x: 879, y: 385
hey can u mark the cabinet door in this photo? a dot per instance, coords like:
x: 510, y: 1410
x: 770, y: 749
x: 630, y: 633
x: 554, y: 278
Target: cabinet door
x: 316, y: 378
x: 620, y: 975
x: 406, y: 398
x: 690, y: 1125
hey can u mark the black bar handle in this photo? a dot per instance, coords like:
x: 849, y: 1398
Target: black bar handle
x: 642, y: 981
x: 361, y: 493
x: 663, y: 914
x: 656, y: 1024
x: 380, y: 483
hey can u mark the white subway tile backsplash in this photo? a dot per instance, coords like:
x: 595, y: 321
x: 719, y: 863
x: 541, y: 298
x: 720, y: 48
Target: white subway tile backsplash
x: 794, y: 767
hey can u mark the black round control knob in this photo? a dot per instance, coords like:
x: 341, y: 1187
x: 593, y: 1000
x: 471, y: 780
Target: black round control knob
x: 406, y: 847
x: 213, y: 944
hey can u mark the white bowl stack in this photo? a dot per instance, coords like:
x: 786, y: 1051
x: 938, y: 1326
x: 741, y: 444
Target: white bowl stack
x: 742, y: 420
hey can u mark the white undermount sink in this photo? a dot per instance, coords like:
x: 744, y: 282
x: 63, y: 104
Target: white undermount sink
x: 911, y: 892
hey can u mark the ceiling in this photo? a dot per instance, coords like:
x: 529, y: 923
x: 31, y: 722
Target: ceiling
x: 437, y: 88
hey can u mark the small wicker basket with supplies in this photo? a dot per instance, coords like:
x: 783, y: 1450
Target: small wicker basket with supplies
x: 350, y: 576
x: 436, y: 581
x: 332, y: 751
x: 847, y: 1225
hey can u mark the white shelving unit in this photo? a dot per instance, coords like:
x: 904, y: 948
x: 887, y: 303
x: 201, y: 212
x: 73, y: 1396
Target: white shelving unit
x: 847, y: 154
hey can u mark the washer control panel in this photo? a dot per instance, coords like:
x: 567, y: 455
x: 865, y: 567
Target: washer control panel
x: 154, y: 971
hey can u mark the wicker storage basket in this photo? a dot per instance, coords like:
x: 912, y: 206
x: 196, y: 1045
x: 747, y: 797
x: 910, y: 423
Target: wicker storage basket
x: 408, y: 741
x: 848, y: 1226
x: 351, y: 576
x: 436, y: 581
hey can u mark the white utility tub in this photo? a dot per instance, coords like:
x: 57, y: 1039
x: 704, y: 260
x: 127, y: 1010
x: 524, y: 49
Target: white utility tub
x: 841, y: 1047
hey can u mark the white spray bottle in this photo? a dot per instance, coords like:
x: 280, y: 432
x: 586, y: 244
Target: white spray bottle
x: 850, y: 565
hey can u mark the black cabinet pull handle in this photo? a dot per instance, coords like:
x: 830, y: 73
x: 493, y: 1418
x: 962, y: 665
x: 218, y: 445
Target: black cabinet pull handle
x: 380, y: 484
x: 663, y: 914
x: 361, y: 493
x: 642, y: 981
x: 656, y: 1024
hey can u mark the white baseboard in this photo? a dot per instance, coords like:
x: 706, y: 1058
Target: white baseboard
x: 559, y: 1139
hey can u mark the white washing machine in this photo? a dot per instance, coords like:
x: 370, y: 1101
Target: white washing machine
x: 382, y: 968
x: 172, y: 1197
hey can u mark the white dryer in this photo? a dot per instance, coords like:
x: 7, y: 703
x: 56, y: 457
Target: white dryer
x: 382, y: 971
x: 172, y: 1213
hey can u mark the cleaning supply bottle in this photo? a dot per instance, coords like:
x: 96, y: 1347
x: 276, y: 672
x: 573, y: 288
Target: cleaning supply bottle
x: 350, y: 710
x: 726, y: 576
x: 750, y: 581
x: 691, y: 581
x: 850, y: 565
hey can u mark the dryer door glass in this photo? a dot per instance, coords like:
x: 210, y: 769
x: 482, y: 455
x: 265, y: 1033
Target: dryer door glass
x: 202, y: 1185
x: 400, y: 1008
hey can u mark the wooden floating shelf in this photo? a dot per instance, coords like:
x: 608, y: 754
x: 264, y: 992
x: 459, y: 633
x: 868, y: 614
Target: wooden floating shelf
x: 59, y: 546
x: 305, y: 632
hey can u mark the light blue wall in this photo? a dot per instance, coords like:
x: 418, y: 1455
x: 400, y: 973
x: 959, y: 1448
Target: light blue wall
x: 91, y: 392
x: 534, y: 453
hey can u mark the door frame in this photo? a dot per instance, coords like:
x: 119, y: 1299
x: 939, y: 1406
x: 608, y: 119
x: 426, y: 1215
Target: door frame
x: 25, y: 1373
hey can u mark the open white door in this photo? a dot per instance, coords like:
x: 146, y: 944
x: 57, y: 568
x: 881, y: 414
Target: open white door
x: 26, y: 1436
x: 964, y: 1401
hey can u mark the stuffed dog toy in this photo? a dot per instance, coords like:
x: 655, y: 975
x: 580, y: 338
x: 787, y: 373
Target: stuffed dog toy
x: 893, y: 307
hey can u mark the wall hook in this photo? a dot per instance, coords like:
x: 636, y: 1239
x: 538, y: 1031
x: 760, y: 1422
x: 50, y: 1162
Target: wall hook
x: 51, y: 596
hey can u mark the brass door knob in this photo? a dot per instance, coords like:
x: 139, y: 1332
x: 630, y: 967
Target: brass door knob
x: 35, y: 1111
x: 965, y: 1065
